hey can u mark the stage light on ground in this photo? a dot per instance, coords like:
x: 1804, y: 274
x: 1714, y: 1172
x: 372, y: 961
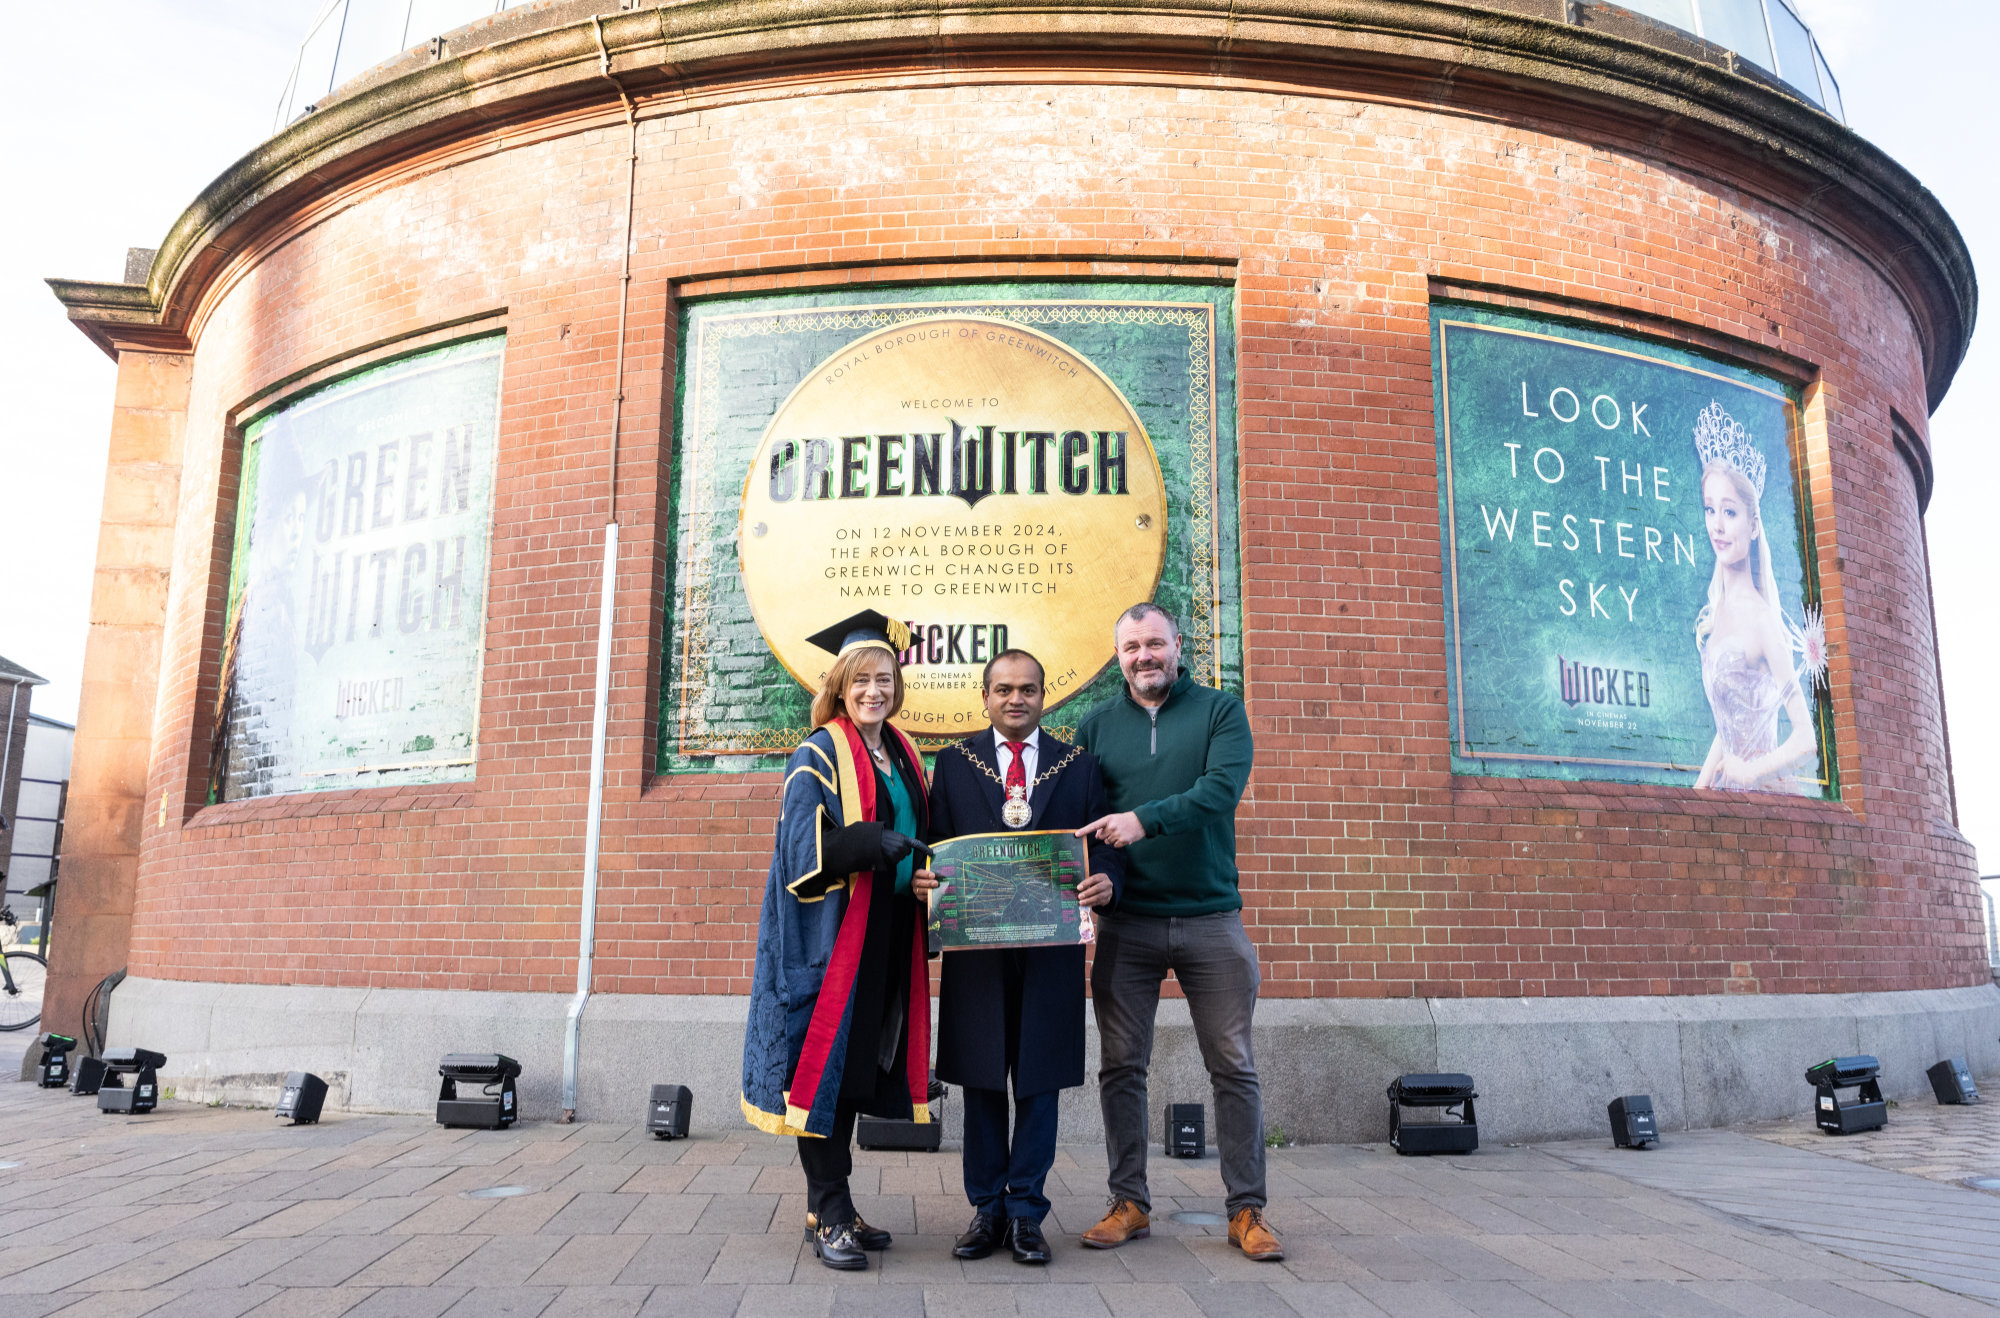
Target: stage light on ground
x: 55, y: 1060
x: 1865, y: 1111
x: 1951, y: 1081
x: 89, y: 1075
x: 667, y: 1111
x: 496, y: 1106
x: 909, y: 1136
x: 1186, y: 1130
x: 1452, y: 1094
x: 304, y: 1094
x: 1632, y: 1123
x: 142, y: 1092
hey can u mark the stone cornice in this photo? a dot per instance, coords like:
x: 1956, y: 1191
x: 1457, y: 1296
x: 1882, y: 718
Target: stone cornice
x: 1517, y: 58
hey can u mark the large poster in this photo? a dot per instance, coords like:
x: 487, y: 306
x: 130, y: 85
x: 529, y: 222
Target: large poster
x: 357, y: 601
x: 995, y: 466
x: 1630, y: 592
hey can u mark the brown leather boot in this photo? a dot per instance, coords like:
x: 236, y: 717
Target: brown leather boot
x: 1126, y: 1221
x: 1248, y: 1229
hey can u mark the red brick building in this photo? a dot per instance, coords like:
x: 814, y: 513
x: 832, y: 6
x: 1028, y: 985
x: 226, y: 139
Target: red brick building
x: 1341, y: 171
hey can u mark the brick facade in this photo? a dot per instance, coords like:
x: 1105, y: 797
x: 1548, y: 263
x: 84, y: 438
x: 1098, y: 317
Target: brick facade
x: 1340, y: 213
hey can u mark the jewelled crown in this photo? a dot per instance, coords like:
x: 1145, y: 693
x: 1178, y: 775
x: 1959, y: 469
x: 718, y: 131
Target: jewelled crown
x: 1719, y: 437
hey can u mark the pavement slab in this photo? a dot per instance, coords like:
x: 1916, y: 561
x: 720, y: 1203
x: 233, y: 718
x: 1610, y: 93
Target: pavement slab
x: 1941, y: 1234
x: 199, y: 1212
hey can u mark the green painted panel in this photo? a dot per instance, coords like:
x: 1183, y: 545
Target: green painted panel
x: 1628, y: 562
x: 1168, y: 347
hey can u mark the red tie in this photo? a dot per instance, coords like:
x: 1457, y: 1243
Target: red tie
x: 1017, y: 772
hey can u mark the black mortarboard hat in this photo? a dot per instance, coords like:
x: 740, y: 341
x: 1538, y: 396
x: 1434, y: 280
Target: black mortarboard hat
x: 865, y: 628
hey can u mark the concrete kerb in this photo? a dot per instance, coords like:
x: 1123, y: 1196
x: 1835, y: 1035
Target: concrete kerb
x: 1545, y: 1067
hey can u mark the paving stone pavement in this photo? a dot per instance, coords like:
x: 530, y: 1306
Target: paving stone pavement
x: 217, y: 1213
x: 1932, y: 1232
x: 1932, y: 1140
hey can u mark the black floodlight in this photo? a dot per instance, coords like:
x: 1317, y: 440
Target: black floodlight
x: 1187, y: 1130
x: 1452, y: 1093
x: 304, y: 1095
x: 143, y: 1093
x: 1843, y: 1072
x: 667, y: 1111
x: 1632, y: 1123
x: 55, y: 1060
x: 1865, y: 1111
x: 875, y: 1133
x: 89, y: 1076
x: 496, y: 1105
x: 1951, y: 1081
x: 908, y: 1136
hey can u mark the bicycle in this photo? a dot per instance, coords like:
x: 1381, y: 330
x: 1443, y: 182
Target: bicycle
x: 22, y: 977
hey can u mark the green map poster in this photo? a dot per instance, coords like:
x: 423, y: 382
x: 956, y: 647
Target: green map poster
x: 1629, y: 585
x: 993, y: 464
x: 1008, y: 890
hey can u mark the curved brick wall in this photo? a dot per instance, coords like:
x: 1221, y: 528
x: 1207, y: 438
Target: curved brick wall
x: 1340, y: 212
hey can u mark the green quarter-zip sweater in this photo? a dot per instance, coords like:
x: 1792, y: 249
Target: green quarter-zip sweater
x: 1181, y: 768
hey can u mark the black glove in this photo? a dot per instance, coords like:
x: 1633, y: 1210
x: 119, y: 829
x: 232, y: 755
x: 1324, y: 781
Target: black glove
x: 895, y: 847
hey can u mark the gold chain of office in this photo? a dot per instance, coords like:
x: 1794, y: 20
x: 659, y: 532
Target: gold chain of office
x: 987, y: 769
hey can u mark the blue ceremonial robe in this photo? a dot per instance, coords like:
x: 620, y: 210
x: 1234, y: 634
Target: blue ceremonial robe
x: 810, y: 937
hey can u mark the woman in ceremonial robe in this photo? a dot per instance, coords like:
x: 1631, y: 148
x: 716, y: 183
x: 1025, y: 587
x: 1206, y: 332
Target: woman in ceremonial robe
x: 840, y: 998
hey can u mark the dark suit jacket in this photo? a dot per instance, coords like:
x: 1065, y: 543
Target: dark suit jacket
x: 972, y: 1010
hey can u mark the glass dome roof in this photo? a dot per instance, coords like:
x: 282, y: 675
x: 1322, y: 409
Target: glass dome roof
x: 1768, y: 33
x: 350, y: 37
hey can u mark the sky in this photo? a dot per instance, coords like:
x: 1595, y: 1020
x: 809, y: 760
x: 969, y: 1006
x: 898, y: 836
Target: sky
x: 176, y: 90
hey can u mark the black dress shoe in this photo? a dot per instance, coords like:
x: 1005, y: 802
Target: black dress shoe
x: 1027, y: 1241
x: 868, y: 1237
x: 981, y: 1238
x: 836, y: 1247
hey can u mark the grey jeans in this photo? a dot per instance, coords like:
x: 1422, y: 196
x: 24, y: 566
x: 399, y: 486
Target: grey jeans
x: 1216, y: 965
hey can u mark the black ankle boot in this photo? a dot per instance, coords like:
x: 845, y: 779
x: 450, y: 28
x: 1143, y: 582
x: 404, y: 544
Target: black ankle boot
x: 870, y: 1238
x: 835, y: 1246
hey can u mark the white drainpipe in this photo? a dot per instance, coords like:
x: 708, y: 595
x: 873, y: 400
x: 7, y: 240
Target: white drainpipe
x: 586, y: 937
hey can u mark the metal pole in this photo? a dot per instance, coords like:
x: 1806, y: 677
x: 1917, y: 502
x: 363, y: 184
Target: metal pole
x: 586, y: 938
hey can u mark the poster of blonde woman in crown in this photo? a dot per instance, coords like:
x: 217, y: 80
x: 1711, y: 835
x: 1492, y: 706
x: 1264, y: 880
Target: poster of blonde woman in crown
x: 1630, y: 583
x: 1755, y: 661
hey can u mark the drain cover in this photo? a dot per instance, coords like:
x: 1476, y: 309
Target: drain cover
x: 1976, y: 1182
x: 498, y: 1192
x: 1188, y: 1217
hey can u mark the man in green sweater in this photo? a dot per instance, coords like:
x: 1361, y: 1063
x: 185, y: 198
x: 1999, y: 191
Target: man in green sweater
x: 1175, y: 757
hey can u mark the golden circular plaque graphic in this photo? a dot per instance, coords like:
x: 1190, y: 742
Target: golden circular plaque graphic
x: 978, y: 480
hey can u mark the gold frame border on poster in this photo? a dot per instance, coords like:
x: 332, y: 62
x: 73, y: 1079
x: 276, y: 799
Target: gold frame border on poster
x: 699, y: 478
x: 1800, y: 491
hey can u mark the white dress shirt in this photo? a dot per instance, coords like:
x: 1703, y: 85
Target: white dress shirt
x: 1030, y: 756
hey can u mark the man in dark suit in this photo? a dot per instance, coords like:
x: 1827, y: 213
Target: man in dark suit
x: 1014, y: 1011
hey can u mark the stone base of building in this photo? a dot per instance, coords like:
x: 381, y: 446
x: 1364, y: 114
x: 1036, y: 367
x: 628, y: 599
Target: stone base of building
x: 1545, y: 1067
